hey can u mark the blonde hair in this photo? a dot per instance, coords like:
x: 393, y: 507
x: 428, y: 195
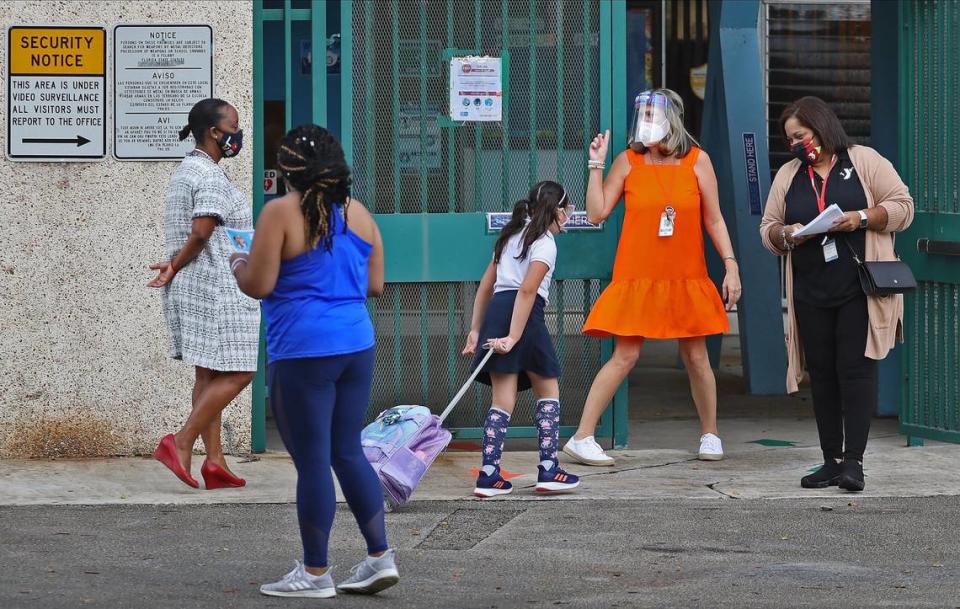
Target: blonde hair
x: 679, y: 142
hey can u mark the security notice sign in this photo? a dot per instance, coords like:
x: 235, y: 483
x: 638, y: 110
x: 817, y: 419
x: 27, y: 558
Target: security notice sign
x: 160, y: 72
x: 56, y: 93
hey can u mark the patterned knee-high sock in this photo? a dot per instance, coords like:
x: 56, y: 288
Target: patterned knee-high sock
x: 494, y: 432
x: 548, y: 429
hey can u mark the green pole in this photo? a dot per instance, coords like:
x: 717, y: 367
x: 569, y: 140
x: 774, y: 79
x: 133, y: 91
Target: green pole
x: 505, y: 105
x: 451, y: 132
x: 318, y: 64
x: 287, y: 66
x: 424, y: 207
x: 618, y: 80
x: 258, y: 423
x: 369, y: 176
x: 346, y: 78
x: 560, y: 97
x: 532, y: 101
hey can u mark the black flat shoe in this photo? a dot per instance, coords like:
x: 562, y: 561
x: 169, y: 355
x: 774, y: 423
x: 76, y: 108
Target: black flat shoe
x: 828, y: 475
x: 851, y: 476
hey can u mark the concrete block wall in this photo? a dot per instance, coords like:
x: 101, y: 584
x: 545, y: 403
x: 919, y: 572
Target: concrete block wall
x: 83, y: 351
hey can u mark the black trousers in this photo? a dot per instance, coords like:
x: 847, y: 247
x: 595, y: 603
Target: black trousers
x: 843, y: 380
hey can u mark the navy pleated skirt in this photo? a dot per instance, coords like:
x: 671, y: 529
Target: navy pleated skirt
x: 534, y: 353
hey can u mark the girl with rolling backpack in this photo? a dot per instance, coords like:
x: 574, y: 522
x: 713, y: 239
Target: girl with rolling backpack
x: 508, y: 318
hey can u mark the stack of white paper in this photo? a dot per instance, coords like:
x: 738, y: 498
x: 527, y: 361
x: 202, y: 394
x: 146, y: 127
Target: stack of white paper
x: 823, y: 223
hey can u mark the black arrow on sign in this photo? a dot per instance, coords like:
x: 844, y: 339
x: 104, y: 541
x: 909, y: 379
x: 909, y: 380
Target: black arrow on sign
x: 79, y: 140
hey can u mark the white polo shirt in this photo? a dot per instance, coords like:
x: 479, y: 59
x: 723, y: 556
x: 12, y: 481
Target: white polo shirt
x: 511, y: 272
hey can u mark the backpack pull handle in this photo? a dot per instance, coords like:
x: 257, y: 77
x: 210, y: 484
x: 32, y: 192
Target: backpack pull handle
x: 456, y: 399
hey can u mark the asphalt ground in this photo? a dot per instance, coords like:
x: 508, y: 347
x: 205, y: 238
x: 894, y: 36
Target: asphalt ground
x: 839, y: 551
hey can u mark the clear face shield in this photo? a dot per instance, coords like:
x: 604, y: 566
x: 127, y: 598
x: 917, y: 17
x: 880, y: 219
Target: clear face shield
x: 650, y: 123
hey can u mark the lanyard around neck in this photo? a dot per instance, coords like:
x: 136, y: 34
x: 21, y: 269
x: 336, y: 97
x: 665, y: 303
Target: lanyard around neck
x: 822, y: 194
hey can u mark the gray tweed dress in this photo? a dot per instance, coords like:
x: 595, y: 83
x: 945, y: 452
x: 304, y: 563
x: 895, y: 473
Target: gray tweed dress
x: 212, y: 323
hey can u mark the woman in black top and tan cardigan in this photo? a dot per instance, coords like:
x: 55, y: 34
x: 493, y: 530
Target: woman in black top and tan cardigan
x: 834, y: 329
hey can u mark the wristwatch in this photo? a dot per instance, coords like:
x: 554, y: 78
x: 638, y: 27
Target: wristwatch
x: 863, y: 219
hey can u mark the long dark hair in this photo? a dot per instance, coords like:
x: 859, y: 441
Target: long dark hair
x: 312, y: 161
x: 814, y: 114
x: 204, y: 114
x: 540, y: 207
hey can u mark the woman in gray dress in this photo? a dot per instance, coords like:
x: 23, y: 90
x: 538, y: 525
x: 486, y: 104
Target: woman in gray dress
x: 212, y: 325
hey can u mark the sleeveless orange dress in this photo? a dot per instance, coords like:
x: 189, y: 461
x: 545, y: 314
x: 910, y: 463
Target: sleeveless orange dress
x: 660, y: 286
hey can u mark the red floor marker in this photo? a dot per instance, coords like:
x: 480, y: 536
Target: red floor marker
x: 464, y: 445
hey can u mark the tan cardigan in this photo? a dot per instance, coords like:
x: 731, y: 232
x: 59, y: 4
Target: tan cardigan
x: 883, y: 187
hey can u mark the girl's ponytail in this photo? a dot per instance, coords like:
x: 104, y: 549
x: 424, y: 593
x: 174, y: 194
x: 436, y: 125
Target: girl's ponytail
x: 521, y: 211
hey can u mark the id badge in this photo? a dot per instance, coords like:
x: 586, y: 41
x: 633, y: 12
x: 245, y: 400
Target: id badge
x: 667, y: 219
x: 829, y: 249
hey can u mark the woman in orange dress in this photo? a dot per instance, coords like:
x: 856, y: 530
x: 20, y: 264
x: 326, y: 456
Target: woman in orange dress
x: 660, y: 286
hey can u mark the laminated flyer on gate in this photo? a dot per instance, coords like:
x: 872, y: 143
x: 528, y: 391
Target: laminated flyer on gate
x: 476, y: 89
x: 241, y: 240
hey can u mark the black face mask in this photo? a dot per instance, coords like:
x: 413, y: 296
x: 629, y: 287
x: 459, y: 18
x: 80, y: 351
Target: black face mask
x: 231, y: 143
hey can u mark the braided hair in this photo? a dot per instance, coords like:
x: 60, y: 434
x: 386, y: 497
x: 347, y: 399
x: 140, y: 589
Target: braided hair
x: 312, y: 162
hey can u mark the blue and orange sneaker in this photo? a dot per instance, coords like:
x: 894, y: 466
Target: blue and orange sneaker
x: 555, y: 480
x: 492, y: 485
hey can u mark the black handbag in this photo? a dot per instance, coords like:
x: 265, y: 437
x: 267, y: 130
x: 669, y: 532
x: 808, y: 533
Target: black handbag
x: 883, y: 278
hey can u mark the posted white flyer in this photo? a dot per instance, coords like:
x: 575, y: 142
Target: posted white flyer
x: 476, y: 89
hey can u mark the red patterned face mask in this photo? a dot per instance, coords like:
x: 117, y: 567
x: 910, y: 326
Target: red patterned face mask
x: 806, y: 151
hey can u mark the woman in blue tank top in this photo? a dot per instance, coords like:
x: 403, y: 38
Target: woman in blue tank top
x: 316, y: 257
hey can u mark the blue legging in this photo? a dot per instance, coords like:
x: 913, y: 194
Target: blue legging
x: 319, y: 405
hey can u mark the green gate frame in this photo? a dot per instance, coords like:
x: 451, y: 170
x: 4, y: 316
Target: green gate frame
x: 427, y: 259
x: 930, y: 405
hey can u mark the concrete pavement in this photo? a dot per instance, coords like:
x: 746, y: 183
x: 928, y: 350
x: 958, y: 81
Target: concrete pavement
x: 765, y: 460
x: 660, y: 529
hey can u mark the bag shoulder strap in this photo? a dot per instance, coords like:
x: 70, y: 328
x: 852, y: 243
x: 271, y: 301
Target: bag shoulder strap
x: 852, y: 251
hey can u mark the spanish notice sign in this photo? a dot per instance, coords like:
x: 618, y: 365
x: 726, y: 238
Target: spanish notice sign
x: 160, y: 72
x: 56, y: 93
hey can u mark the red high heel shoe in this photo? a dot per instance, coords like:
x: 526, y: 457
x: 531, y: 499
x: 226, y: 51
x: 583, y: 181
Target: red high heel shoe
x: 215, y: 476
x: 166, y: 453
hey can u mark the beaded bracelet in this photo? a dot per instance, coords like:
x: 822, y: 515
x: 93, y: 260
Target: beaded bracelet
x: 787, y: 246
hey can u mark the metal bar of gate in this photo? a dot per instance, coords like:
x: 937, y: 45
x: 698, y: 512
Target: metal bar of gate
x: 258, y: 431
x: 533, y: 92
x: 346, y: 79
x: 368, y: 172
x: 287, y: 66
x: 318, y: 62
x: 505, y: 193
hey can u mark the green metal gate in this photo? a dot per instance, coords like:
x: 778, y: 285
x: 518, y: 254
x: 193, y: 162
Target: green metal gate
x: 930, y: 68
x: 432, y: 182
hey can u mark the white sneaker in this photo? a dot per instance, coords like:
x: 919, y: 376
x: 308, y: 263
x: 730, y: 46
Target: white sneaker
x: 587, y: 451
x: 711, y: 448
x: 299, y: 583
x: 373, y: 574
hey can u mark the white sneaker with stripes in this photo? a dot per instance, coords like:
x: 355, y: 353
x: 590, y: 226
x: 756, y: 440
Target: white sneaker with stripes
x: 299, y: 583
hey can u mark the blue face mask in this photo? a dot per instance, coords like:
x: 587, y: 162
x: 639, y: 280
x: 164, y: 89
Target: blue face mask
x: 231, y: 143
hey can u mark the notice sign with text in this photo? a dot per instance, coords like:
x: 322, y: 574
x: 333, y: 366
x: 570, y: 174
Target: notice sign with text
x: 56, y: 93
x: 476, y: 89
x: 159, y: 73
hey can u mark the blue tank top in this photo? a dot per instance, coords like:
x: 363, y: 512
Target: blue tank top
x: 318, y: 307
